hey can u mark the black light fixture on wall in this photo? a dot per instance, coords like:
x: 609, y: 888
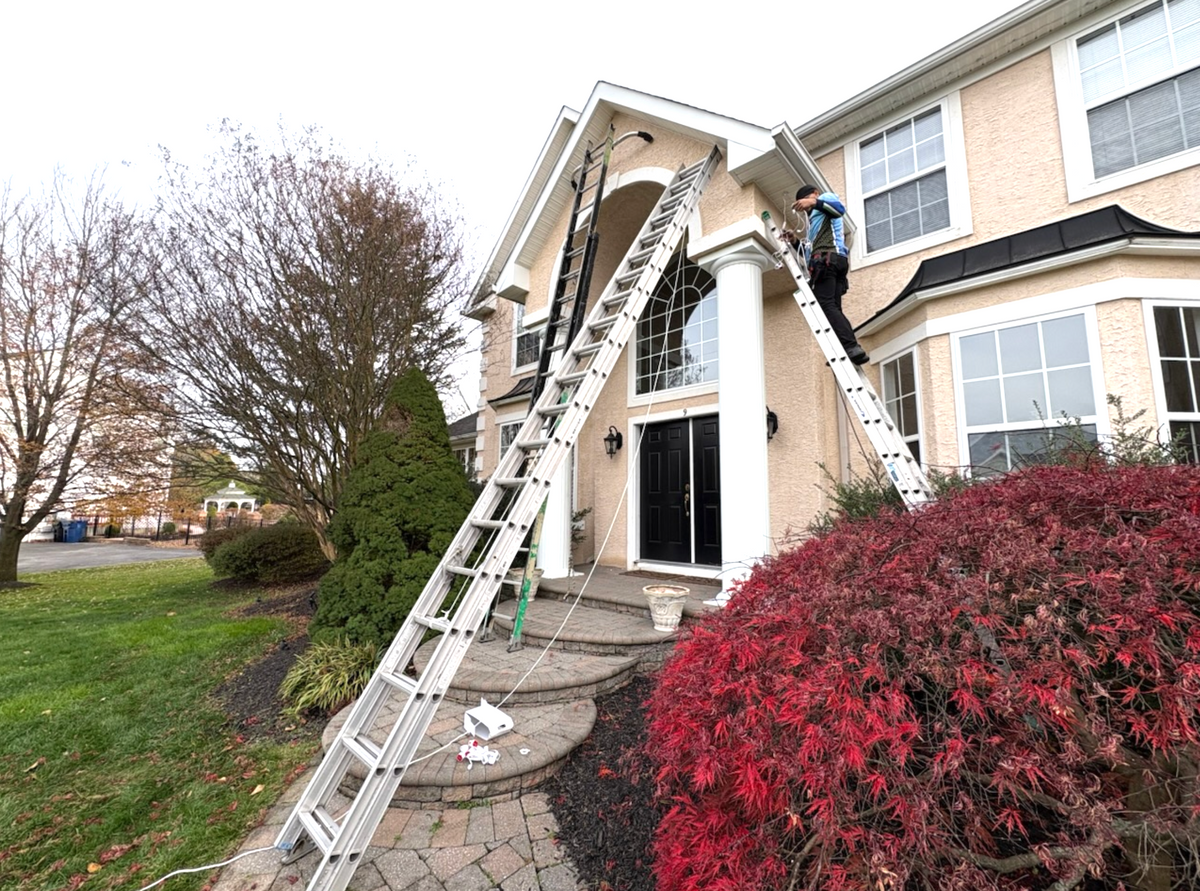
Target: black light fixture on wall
x: 613, y: 441
x: 772, y: 424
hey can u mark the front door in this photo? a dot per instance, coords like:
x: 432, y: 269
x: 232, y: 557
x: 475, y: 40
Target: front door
x: 681, y: 492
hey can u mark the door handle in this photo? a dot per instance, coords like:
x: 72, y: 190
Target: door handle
x: 687, y: 499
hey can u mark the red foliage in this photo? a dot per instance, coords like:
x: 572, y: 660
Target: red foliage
x: 999, y: 691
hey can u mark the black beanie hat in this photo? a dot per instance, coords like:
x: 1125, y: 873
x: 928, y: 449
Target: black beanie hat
x: 805, y: 191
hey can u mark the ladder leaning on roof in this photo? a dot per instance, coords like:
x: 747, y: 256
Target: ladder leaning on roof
x: 456, y: 598
x: 903, y: 470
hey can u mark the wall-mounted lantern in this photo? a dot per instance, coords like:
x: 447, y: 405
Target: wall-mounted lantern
x: 613, y: 442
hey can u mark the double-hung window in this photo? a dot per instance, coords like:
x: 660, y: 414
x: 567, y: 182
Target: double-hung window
x: 908, y: 187
x: 1136, y: 95
x: 1177, y: 330
x: 525, y: 343
x: 1018, y: 384
x: 900, y: 400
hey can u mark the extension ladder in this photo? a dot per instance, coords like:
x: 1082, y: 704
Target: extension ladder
x: 903, y: 470
x: 565, y: 317
x: 456, y: 598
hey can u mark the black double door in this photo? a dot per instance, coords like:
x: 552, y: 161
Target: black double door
x: 681, y: 492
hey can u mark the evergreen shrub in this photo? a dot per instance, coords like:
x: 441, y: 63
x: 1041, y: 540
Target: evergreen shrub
x: 286, y: 552
x: 403, y: 502
x: 1000, y: 690
x: 214, y: 538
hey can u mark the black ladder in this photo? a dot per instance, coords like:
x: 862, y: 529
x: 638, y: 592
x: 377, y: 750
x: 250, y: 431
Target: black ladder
x: 455, y: 601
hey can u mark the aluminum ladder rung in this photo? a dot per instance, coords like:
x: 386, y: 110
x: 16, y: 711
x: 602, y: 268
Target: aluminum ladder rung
x: 364, y: 749
x: 510, y: 482
x: 435, y: 623
x: 401, y: 682
x: 490, y: 524
x: 465, y: 571
x: 588, y: 349
x: 605, y: 323
x: 320, y: 836
x: 616, y: 297
x: 532, y: 445
x: 566, y: 380
x: 552, y: 411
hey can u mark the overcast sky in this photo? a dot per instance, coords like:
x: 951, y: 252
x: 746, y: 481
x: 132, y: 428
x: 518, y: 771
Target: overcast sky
x: 466, y: 90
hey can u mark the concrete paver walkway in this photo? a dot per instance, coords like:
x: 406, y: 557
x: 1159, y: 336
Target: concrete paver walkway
x: 474, y: 846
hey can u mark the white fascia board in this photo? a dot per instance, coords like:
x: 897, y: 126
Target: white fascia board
x: 1148, y: 246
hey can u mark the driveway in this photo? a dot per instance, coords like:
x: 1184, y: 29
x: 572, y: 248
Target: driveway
x: 47, y: 556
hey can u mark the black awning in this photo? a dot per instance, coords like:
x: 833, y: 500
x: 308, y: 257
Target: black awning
x: 1112, y: 223
x: 523, y: 387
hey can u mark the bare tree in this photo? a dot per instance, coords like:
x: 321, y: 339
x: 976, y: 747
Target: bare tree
x: 70, y: 272
x: 295, y: 287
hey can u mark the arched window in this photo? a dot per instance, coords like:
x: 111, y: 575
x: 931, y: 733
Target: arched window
x: 677, y: 334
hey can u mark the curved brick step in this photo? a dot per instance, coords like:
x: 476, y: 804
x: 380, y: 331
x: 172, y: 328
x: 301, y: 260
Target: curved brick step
x: 598, y: 632
x: 614, y: 592
x: 489, y: 671
x: 547, y: 733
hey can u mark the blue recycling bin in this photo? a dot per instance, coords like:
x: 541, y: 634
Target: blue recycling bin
x: 74, y: 531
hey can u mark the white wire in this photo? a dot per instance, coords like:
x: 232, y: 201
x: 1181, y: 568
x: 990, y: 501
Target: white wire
x: 179, y: 872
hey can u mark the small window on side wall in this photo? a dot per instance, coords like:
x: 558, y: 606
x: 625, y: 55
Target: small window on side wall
x: 900, y: 400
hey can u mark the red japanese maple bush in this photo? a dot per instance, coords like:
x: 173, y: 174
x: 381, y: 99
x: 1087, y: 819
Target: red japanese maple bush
x: 998, y: 691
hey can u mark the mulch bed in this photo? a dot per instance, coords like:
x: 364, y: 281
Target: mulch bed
x: 601, y: 797
x: 251, y: 697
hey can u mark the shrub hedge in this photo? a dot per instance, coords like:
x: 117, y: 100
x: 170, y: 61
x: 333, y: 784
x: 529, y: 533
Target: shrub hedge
x: 285, y: 552
x: 1000, y: 690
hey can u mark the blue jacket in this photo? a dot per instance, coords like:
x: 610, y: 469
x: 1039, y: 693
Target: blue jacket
x: 829, y: 208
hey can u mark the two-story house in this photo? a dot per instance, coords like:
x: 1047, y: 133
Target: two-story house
x: 1025, y: 209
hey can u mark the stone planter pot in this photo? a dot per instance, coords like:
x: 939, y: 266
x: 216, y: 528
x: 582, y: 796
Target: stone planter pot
x: 513, y: 579
x: 666, y: 605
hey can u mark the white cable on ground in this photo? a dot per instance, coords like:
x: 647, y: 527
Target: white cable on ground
x: 179, y: 872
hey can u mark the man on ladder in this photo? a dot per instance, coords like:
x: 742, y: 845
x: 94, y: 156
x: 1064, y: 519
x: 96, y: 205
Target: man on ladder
x: 828, y: 261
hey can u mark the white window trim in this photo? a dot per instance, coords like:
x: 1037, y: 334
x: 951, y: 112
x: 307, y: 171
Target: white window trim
x: 532, y: 322
x: 1095, y: 362
x: 957, y: 187
x: 1163, y: 417
x: 1073, y: 125
x: 895, y: 357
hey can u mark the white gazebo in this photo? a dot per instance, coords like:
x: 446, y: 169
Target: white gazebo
x: 231, y: 498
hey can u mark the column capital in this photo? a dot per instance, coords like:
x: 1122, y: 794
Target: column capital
x: 745, y: 241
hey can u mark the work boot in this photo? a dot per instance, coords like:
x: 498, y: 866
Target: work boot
x: 858, y: 355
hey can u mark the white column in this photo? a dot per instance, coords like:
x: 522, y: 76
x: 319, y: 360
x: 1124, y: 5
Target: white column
x: 738, y: 266
x: 554, y: 549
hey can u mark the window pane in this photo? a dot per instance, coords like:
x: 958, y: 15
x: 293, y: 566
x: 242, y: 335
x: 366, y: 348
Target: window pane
x: 1102, y: 80
x: 1177, y: 386
x: 931, y: 153
x: 1025, y: 398
x: 1112, y: 139
x: 1143, y: 26
x: 1187, y: 435
x: 988, y: 453
x: 1182, y: 12
x: 899, y: 138
x: 1149, y: 60
x: 1071, y: 392
x: 879, y: 235
x: 901, y: 165
x: 1187, y: 44
x: 1066, y: 341
x: 1170, y: 332
x: 978, y: 352
x: 928, y: 125
x: 908, y: 374
x: 874, y: 177
x: 908, y: 415
x: 982, y: 400
x: 1098, y: 47
x: 872, y: 152
x: 677, y: 335
x: 1020, y: 349
x: 1157, y: 125
x: 1191, y: 330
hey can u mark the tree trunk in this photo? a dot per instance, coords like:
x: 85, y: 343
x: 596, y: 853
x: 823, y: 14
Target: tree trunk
x: 10, y: 545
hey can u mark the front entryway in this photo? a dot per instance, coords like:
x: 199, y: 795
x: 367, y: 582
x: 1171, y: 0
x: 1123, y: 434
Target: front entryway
x: 680, y: 483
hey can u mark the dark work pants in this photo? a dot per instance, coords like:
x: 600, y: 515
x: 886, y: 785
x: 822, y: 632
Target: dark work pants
x: 827, y: 278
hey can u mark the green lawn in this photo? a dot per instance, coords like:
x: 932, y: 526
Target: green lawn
x: 116, y: 766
